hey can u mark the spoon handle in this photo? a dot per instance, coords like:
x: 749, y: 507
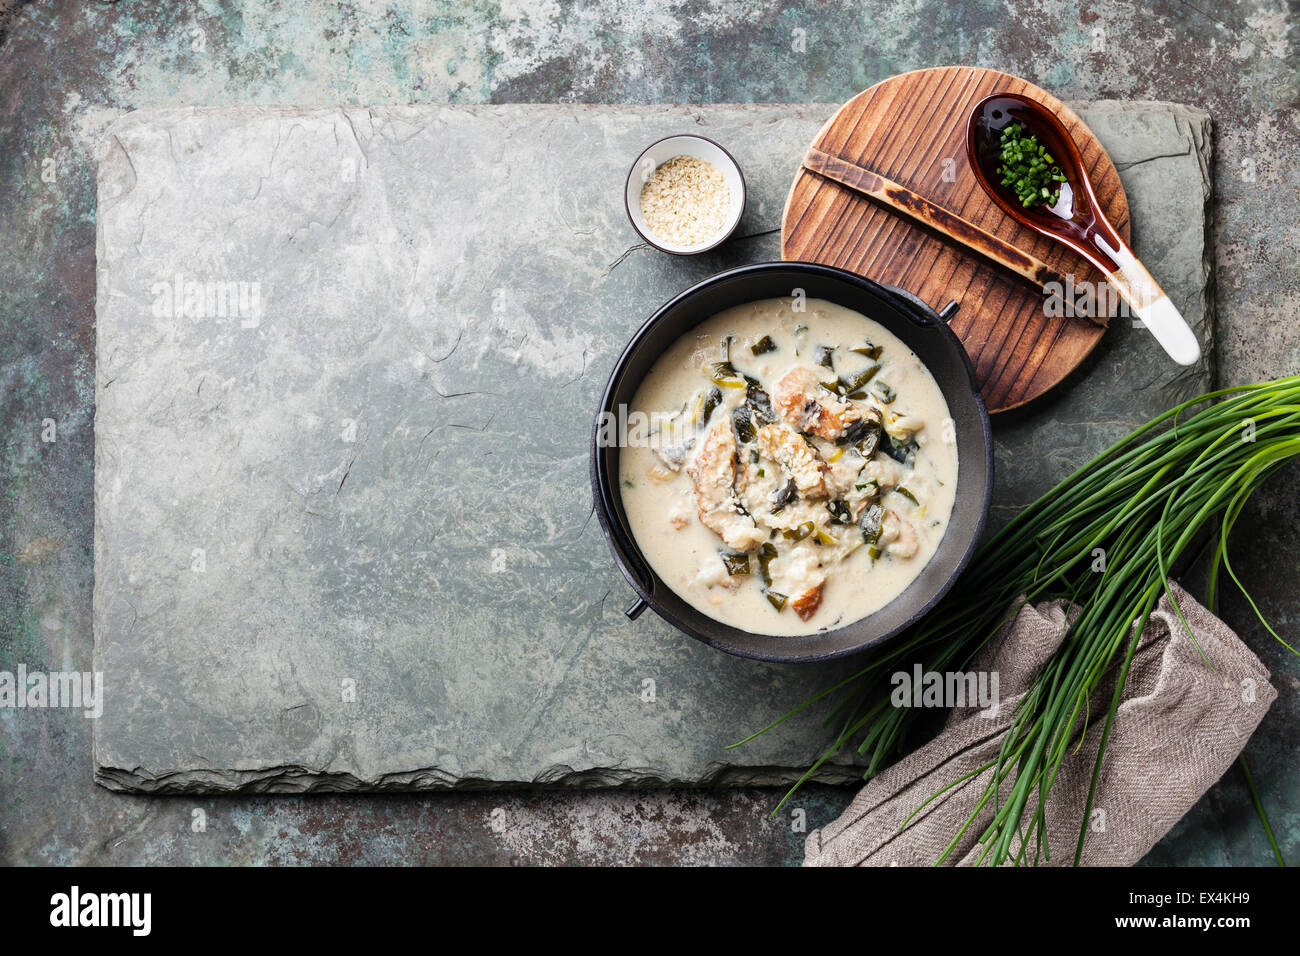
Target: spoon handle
x: 1150, y: 303
x: 918, y: 208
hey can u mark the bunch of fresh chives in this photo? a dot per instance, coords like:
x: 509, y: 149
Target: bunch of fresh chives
x: 1142, y: 502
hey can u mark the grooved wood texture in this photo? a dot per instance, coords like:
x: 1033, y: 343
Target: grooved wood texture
x: 911, y: 129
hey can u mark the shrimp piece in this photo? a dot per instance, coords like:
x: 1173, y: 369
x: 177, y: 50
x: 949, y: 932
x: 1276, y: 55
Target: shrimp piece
x: 899, y: 536
x: 714, y: 474
x: 803, y: 403
x: 800, y: 459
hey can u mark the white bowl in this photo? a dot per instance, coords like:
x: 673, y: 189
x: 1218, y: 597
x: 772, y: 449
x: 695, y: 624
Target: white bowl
x: 658, y: 153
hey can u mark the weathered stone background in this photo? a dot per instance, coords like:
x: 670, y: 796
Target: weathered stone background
x: 68, y: 69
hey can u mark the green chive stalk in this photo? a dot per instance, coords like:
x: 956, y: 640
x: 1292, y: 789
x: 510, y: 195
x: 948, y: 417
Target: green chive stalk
x: 1142, y: 502
x: 1029, y: 169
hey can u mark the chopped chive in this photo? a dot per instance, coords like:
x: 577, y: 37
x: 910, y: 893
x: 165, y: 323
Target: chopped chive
x: 1028, y: 169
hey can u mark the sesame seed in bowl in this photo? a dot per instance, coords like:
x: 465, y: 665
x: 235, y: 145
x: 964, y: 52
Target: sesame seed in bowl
x: 685, y: 194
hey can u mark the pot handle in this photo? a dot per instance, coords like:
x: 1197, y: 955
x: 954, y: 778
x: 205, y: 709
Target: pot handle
x: 919, y: 311
x: 633, y: 567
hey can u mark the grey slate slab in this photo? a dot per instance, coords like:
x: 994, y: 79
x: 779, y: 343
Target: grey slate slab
x: 343, y: 538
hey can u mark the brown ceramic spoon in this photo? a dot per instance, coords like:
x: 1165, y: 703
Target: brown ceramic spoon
x: 1076, y: 220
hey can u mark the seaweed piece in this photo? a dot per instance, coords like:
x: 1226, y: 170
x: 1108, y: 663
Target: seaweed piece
x: 785, y: 494
x: 776, y: 599
x: 711, y: 401
x: 763, y: 346
x: 766, y: 555
x: 857, y: 431
x: 870, y: 351
x: 800, y: 532
x: 867, y: 446
x: 872, y: 520
x: 743, y: 419
x: 839, y: 512
x: 823, y: 356
x: 884, y: 392
x: 899, y: 451
x: 736, y: 562
x: 725, y: 374
x: 856, y: 381
x: 759, y: 402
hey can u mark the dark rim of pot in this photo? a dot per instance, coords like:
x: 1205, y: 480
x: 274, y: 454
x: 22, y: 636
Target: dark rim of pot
x: 627, y: 554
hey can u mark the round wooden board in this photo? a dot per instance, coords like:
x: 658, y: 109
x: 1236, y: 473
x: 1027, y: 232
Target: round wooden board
x: 912, y: 129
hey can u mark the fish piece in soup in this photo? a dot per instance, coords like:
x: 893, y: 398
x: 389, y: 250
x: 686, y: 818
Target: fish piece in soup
x: 714, y: 475
x: 804, y: 403
x: 800, y: 460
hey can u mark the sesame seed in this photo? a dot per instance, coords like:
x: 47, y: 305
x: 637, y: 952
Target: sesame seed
x: 686, y: 201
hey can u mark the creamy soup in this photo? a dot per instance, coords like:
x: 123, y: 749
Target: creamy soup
x: 789, y: 466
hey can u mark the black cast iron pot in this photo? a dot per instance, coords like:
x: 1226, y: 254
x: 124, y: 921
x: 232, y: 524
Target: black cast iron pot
x: 925, y: 332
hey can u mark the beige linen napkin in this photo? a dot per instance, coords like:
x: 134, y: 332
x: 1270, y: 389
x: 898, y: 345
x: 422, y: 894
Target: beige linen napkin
x: 1178, y: 728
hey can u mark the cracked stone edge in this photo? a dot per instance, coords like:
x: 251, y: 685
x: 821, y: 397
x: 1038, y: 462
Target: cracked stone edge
x: 301, y: 779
